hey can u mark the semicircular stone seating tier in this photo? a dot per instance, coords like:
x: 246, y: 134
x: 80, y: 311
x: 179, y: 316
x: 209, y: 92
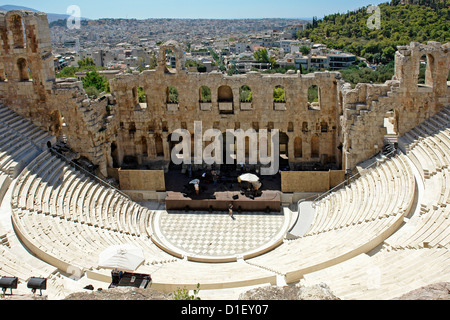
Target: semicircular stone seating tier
x: 20, y: 142
x: 418, y: 253
x: 67, y: 219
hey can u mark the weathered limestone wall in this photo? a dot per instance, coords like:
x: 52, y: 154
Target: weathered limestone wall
x: 293, y: 118
x: 310, y: 181
x: 366, y: 106
x: 132, y: 180
x: 26, y: 61
x: 345, y: 127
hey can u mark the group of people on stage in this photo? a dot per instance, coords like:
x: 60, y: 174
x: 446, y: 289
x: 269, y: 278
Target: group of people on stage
x: 252, y: 188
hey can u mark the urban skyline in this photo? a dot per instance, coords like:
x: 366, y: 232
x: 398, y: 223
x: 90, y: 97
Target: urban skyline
x: 200, y: 9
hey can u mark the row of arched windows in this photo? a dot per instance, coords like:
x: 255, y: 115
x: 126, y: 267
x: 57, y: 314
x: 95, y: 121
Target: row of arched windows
x: 298, y: 147
x: 225, y: 94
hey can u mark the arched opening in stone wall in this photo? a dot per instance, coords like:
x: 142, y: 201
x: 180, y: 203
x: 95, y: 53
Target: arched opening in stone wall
x: 284, y: 146
x: 192, y: 146
x: 323, y: 127
x: 426, y: 70
x: 165, y: 126
x: 24, y: 72
x: 284, y: 150
x: 305, y: 127
x: 290, y: 127
x: 225, y: 94
x: 247, y: 147
x: 225, y: 99
x: 132, y: 128
x: 115, y: 155
x: 315, y: 147
x: 159, y: 147
x: 134, y: 92
x: 391, y: 122
x: 422, y: 70
x: 172, y: 95
x: 144, y: 146
x: 170, y: 60
x: 298, y: 147
x: 246, y: 94
x: 429, y: 75
x: 314, y: 97
x: 279, y: 94
x: 17, y: 28
x: 141, y: 97
x: 205, y: 94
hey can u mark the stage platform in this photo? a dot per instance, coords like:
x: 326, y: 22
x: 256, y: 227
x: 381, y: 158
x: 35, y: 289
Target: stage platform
x: 268, y: 201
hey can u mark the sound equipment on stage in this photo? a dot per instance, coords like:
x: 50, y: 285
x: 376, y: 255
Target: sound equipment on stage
x: 236, y: 197
x: 37, y: 283
x: 8, y: 283
x: 126, y: 279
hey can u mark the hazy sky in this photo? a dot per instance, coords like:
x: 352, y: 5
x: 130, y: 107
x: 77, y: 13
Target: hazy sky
x: 222, y: 9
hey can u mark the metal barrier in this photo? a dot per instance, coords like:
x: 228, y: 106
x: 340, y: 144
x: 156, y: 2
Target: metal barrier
x: 101, y: 181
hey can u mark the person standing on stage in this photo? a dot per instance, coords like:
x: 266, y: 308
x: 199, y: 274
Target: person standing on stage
x: 197, y: 189
x: 230, y: 210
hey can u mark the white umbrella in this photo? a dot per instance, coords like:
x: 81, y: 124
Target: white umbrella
x: 123, y: 257
x: 249, y: 177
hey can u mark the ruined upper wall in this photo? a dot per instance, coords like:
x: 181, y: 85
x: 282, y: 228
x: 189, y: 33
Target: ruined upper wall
x: 407, y: 67
x: 25, y: 43
x: 351, y: 120
x: 296, y: 116
x: 366, y: 107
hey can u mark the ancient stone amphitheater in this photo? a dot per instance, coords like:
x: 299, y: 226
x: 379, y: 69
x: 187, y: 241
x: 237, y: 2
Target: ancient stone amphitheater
x: 380, y: 236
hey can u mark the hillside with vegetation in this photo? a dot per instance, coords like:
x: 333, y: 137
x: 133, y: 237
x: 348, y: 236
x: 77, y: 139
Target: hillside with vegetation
x: 402, y: 22
x: 400, y: 25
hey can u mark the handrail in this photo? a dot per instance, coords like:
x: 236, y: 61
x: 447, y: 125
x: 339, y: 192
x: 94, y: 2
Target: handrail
x: 101, y: 181
x: 346, y: 182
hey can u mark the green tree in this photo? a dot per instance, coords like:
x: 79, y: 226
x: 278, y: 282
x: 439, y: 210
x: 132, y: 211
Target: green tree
x: 388, y: 54
x: 86, y: 62
x: 94, y: 79
x: 261, y: 55
x: 421, y: 21
x: 305, y: 50
x: 67, y: 72
x: 92, y: 92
